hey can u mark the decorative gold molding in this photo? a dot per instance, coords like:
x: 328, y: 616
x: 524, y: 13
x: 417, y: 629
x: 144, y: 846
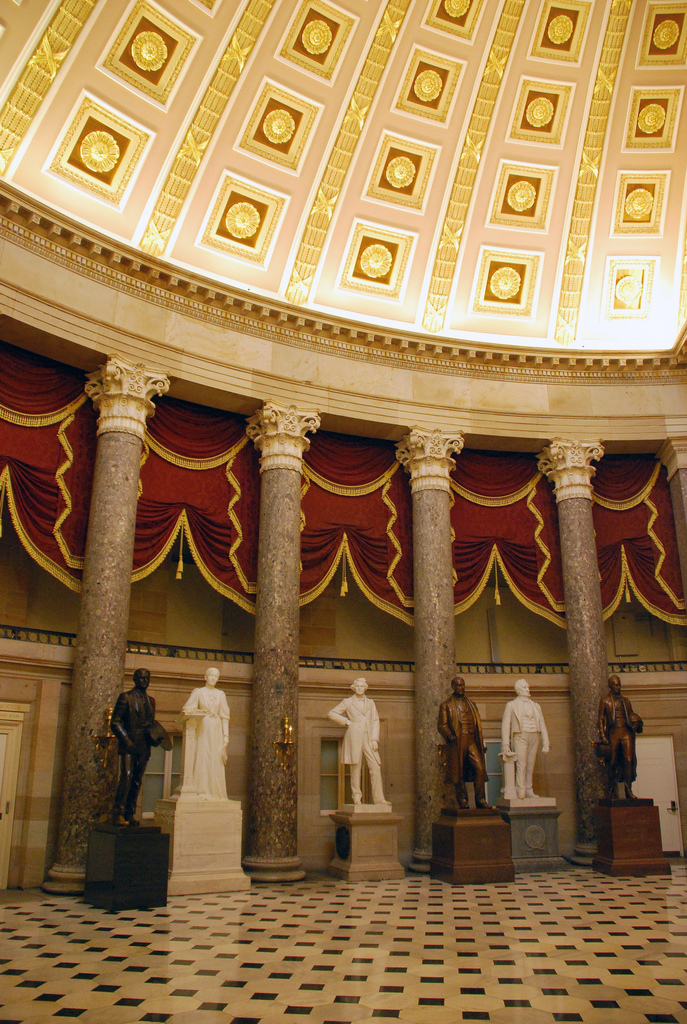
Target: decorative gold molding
x: 629, y: 285
x: 248, y: 244
x: 278, y: 126
x: 376, y: 261
x: 446, y: 257
x: 38, y: 75
x: 331, y: 183
x: 59, y: 241
x: 639, y: 202
x: 401, y: 171
x: 205, y: 120
x: 320, y: 49
x: 565, y: 330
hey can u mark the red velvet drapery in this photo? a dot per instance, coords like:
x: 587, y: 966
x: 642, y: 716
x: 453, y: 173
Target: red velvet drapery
x: 200, y: 478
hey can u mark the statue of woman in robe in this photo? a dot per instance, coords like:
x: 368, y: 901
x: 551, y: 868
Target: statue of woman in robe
x: 208, y: 706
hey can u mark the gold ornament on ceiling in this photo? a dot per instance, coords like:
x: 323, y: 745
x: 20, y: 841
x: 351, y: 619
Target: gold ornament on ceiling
x: 279, y: 126
x: 522, y: 195
x: 317, y: 36
x: 376, y: 260
x: 666, y: 34
x: 242, y: 220
x: 505, y: 282
x: 651, y: 118
x: 456, y: 8
x: 149, y: 51
x: 639, y: 203
x: 99, y: 151
x: 560, y: 29
x: 400, y: 172
x: 628, y: 289
x: 427, y: 86
x: 539, y: 111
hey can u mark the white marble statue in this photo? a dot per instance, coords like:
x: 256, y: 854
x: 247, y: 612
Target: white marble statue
x: 206, y: 712
x: 522, y: 726
x: 358, y: 715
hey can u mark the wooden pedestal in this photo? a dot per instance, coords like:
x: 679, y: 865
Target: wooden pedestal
x: 366, y: 846
x: 629, y: 838
x: 471, y: 846
x: 126, y: 868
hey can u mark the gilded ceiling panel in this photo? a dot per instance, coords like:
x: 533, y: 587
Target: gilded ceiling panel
x: 376, y: 261
x: 317, y: 37
x: 401, y: 172
x: 243, y: 220
x: 506, y: 283
x: 652, y: 118
x: 560, y: 31
x: 456, y: 16
x: 629, y: 284
x: 429, y: 85
x: 639, y: 203
x: 664, y: 40
x: 522, y: 196
x: 279, y: 126
x: 540, y: 111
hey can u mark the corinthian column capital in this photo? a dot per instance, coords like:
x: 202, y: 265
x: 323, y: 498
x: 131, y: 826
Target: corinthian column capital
x: 569, y: 465
x: 279, y: 434
x: 673, y: 454
x: 426, y: 455
x: 121, y: 392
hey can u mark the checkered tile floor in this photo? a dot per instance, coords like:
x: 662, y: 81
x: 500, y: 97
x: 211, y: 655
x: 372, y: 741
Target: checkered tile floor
x: 574, y: 946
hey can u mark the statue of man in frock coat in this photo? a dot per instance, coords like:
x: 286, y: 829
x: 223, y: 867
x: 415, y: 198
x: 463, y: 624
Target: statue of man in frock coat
x: 461, y: 726
x: 359, y: 716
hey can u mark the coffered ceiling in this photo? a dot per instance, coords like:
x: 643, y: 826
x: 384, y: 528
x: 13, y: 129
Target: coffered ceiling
x: 472, y: 169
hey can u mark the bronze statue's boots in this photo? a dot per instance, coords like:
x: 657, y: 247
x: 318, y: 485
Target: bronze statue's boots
x: 119, y: 820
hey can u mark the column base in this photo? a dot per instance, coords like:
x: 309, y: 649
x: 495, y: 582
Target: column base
x: 583, y: 854
x: 277, y: 869
x: 421, y: 861
x: 63, y: 881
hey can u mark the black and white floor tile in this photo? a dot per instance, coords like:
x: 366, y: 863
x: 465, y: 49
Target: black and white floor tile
x: 573, y: 946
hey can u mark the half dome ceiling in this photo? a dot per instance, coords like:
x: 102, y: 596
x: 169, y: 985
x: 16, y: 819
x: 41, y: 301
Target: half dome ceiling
x: 465, y: 168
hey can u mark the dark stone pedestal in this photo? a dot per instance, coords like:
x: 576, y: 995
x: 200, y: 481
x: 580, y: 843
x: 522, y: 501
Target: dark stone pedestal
x: 534, y: 835
x: 471, y: 845
x: 366, y: 845
x: 629, y: 839
x: 126, y: 868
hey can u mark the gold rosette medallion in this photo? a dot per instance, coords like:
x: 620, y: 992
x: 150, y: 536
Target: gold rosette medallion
x: 149, y: 51
x: 316, y: 37
x: 279, y: 126
x: 628, y: 289
x: 242, y: 220
x: 427, y: 86
x: 560, y: 29
x: 539, y: 111
x: 400, y: 172
x: 666, y: 34
x: 639, y: 203
x: 651, y: 118
x: 99, y: 151
x: 376, y: 260
x: 522, y: 195
x: 505, y: 282
x: 456, y: 8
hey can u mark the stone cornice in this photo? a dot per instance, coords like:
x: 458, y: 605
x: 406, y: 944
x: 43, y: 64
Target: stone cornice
x: 28, y: 224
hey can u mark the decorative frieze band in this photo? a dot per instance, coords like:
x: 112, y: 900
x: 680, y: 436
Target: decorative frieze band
x: 121, y: 392
x: 426, y: 455
x: 569, y: 465
x: 279, y: 435
x: 673, y: 454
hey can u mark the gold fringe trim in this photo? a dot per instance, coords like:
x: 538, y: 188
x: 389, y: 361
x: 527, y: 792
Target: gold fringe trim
x: 45, y: 563
x: 73, y: 561
x: 627, y: 578
x: 557, y: 606
x: 250, y: 588
x: 25, y: 419
x: 346, y: 491
x: 636, y: 499
x: 661, y: 556
x: 505, y: 499
x: 345, y: 551
x: 391, y: 521
x: 196, y: 464
x: 463, y: 606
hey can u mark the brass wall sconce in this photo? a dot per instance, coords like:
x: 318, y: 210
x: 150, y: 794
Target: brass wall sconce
x: 105, y: 743
x: 283, y: 746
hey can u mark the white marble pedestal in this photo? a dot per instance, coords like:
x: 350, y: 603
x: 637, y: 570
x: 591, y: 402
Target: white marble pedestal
x: 205, y: 844
x: 366, y: 843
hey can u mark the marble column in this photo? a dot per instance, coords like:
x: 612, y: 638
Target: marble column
x: 271, y: 836
x: 121, y: 392
x: 673, y: 454
x: 568, y: 464
x: 426, y: 455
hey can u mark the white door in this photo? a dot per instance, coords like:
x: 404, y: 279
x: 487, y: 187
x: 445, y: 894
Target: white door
x: 656, y: 778
x: 10, y: 745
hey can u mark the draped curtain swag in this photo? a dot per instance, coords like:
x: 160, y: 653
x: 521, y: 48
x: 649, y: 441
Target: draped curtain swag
x: 200, y: 485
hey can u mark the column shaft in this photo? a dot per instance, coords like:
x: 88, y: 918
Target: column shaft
x: 674, y: 454
x: 272, y: 836
x: 104, y: 611
x: 427, y: 457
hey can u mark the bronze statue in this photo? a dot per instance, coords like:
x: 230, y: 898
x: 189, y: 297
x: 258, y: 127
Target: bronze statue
x: 133, y: 723
x: 616, y: 746
x: 461, y: 727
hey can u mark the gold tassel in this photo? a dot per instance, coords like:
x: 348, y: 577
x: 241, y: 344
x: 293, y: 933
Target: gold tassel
x: 627, y: 593
x: 344, y: 578
x: 180, y: 563
x: 2, y: 505
x: 497, y: 595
